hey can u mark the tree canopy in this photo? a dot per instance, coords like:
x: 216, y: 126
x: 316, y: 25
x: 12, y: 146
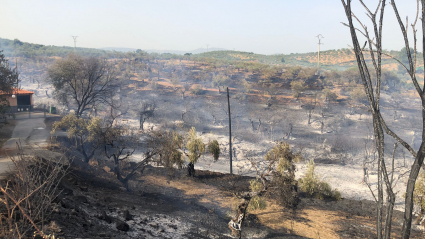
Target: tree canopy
x: 8, y: 79
x: 82, y: 83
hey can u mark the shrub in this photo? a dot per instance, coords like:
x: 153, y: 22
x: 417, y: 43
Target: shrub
x: 27, y: 195
x: 256, y: 202
x: 314, y: 187
x: 284, y: 177
x: 297, y: 88
x: 359, y: 95
x: 154, y: 85
x: 329, y: 95
x: 214, y: 149
x: 240, y: 96
x: 418, y: 195
x: 196, y: 90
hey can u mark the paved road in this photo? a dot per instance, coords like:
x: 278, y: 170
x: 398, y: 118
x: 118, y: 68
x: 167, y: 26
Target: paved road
x: 30, y: 133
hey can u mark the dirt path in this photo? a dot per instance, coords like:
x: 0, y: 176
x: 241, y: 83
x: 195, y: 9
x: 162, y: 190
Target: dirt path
x: 29, y: 133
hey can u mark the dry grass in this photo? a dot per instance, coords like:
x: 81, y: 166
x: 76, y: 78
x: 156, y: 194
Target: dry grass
x: 313, y: 218
x: 309, y: 222
x: 187, y: 188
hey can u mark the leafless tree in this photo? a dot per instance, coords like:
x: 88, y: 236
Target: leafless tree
x: 185, y: 88
x: 146, y: 111
x: 277, y: 175
x: 371, y: 80
x: 119, y: 143
x: 309, y: 106
x: 86, y: 82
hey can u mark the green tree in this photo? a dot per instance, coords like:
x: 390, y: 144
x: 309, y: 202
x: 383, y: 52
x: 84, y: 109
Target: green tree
x: 214, y: 149
x: 279, y: 164
x: 195, y: 148
x: 402, y: 56
x: 84, y: 132
x: 358, y: 95
x: 220, y: 80
x: 313, y: 186
x: 352, y: 75
x: 83, y: 82
x: 390, y: 81
x: 329, y: 95
x: 8, y: 79
x: 297, y: 88
x: 170, y: 154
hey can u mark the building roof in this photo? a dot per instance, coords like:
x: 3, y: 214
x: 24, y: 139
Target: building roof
x: 17, y: 92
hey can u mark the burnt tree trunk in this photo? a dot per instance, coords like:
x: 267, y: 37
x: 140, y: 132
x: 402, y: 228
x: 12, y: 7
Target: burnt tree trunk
x: 235, y: 224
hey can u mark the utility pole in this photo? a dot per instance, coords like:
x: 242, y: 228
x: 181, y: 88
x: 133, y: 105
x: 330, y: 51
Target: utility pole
x: 318, y: 53
x: 207, y: 47
x: 230, y: 132
x: 75, y: 41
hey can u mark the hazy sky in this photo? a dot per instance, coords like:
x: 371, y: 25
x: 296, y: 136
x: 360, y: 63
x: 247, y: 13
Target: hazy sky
x: 266, y: 26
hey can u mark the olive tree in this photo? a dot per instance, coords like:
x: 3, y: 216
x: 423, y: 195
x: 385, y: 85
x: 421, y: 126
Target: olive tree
x: 195, y: 148
x: 297, y: 88
x: 276, y: 176
x: 145, y: 112
x: 84, y: 132
x: 214, y: 149
x: 82, y: 83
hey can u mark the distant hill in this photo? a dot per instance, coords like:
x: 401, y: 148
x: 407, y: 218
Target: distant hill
x: 12, y: 48
x: 339, y: 59
x: 196, y: 51
x: 120, y: 49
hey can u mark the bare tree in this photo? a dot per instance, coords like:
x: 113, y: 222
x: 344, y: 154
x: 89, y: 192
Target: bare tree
x: 120, y: 142
x: 371, y: 80
x: 280, y: 168
x: 185, y: 88
x: 86, y: 82
x: 146, y: 111
x: 84, y: 133
x: 309, y: 106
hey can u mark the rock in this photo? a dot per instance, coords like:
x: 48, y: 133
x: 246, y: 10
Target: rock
x: 93, y: 162
x: 127, y: 215
x: 172, y: 226
x: 107, y: 169
x: 84, y: 188
x: 66, y: 190
x: 154, y: 225
x: 105, y: 217
x: 67, y: 204
x: 122, y: 226
x: 82, y: 199
x: 54, y: 227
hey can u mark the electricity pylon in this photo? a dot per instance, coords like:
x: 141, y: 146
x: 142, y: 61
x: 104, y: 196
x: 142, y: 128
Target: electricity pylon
x: 318, y: 53
x: 75, y: 41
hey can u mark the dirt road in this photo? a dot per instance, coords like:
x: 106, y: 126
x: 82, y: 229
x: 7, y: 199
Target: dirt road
x: 29, y: 133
